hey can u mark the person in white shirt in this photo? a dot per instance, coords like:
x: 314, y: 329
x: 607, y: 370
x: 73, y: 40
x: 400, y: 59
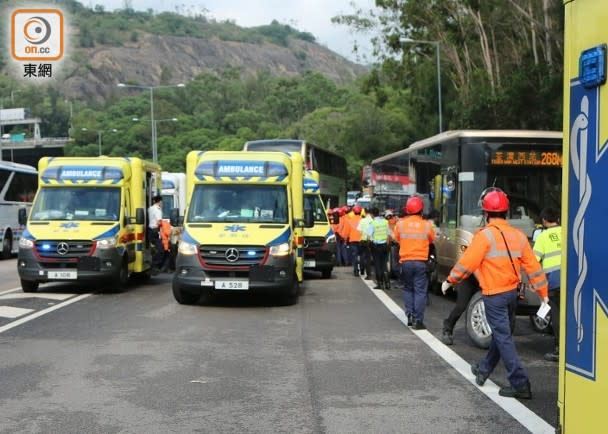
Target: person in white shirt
x: 366, y: 244
x: 155, y: 215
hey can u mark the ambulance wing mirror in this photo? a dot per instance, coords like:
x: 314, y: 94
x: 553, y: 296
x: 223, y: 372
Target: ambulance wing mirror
x: 309, y: 218
x: 139, y: 216
x: 22, y: 216
x: 174, y: 217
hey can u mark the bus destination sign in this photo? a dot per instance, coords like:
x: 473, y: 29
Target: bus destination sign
x: 526, y: 158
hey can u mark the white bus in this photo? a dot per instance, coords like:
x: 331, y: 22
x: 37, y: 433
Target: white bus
x: 451, y: 170
x: 18, y: 184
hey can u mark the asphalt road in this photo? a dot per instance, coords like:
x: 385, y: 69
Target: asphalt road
x: 338, y: 361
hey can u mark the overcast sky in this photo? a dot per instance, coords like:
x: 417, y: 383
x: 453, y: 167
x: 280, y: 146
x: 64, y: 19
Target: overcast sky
x: 312, y: 16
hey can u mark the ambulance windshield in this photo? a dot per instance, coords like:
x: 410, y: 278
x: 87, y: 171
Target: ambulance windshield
x: 77, y: 203
x: 239, y: 203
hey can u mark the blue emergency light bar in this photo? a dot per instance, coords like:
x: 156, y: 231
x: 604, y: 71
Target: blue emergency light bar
x: 310, y: 184
x: 83, y: 173
x: 592, y: 66
x: 247, y: 169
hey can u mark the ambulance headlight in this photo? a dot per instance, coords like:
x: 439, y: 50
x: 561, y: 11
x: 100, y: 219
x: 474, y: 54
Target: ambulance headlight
x: 280, y: 249
x: 185, y: 248
x: 25, y: 243
x: 106, y: 243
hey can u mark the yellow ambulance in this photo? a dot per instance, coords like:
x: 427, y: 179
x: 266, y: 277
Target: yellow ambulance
x: 87, y: 222
x: 319, y: 240
x: 244, y: 223
x: 583, y: 363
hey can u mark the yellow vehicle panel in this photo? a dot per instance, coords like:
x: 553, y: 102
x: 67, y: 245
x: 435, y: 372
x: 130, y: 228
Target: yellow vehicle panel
x: 584, y: 299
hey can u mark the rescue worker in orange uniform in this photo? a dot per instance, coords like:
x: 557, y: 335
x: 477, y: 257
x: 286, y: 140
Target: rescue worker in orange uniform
x: 498, y: 252
x: 342, y: 227
x: 414, y: 235
x: 165, y: 236
x: 352, y: 234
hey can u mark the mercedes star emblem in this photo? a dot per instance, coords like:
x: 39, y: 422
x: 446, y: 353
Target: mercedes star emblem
x: 232, y: 255
x: 63, y: 248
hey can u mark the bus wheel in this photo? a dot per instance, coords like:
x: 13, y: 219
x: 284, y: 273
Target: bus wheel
x: 29, y: 286
x: 477, y: 325
x: 541, y: 325
x: 7, y: 244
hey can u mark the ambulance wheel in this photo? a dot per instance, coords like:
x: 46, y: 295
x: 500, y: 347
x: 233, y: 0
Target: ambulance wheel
x: 183, y: 297
x: 477, y: 325
x: 122, y: 278
x: 29, y: 286
x: 326, y: 273
x: 7, y: 244
x: 290, y: 297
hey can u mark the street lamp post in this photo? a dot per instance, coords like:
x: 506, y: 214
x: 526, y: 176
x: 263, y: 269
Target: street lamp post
x: 438, y: 59
x: 152, y: 122
x: 155, y: 134
x: 99, y: 133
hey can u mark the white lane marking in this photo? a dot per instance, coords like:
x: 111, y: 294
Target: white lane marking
x: 13, y: 312
x: 520, y: 412
x: 49, y: 295
x: 42, y: 312
x: 10, y: 290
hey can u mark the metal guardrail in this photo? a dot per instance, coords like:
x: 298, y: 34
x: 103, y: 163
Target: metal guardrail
x: 47, y: 142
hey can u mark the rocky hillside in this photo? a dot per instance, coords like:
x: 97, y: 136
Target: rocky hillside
x: 155, y: 59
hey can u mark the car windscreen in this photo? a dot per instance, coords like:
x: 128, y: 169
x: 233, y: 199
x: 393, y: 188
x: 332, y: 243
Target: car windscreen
x: 77, y: 203
x: 238, y: 203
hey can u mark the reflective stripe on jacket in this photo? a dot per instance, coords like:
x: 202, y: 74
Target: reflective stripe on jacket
x: 414, y: 235
x: 488, y: 254
x: 548, y: 251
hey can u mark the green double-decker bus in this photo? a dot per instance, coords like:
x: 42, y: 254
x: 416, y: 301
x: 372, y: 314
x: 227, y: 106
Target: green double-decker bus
x: 331, y: 166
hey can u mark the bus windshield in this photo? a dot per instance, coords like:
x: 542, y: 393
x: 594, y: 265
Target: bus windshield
x: 77, y: 203
x: 238, y: 203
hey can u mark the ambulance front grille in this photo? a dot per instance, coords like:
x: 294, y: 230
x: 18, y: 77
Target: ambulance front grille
x: 62, y: 250
x: 236, y: 256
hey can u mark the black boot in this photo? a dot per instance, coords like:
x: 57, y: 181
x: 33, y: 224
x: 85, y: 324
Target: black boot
x: 552, y: 357
x: 387, y: 281
x: 522, y: 392
x: 447, y: 337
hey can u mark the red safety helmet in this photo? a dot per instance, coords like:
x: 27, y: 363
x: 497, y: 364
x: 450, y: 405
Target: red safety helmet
x: 341, y: 211
x: 357, y: 209
x: 414, y: 205
x: 495, y: 200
